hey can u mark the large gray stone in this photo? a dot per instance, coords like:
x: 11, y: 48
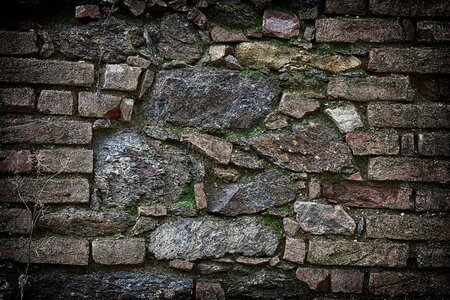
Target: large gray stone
x: 210, y: 98
x: 191, y: 239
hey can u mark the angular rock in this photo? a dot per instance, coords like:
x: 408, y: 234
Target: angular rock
x: 294, y: 250
x: 143, y: 225
x: 137, y: 61
x: 242, y: 15
x: 217, y: 53
x: 209, y: 291
x: 191, y: 239
x: 297, y: 106
x: 433, y: 31
x: 200, y: 197
x: 212, y: 147
x: 232, y: 63
x: 156, y: 5
x: 267, y: 190
x: 157, y: 210
x: 136, y: 7
x: 56, y: 102
x: 198, y: 18
x: 290, y: 227
x: 432, y: 199
x: 345, y: 7
x: 147, y: 81
x: 119, y: 252
x: 87, y: 12
x: 280, y: 24
x: 18, y: 43
x: 319, y: 219
x: 48, y: 48
x: 15, y: 221
x: 434, y: 144
x: 253, y: 261
x: 120, y: 78
x: 275, y: 121
x: 17, y: 100
x: 221, y: 35
x: 229, y: 175
x: 65, y: 161
x: 216, y: 99
x: 332, y: 280
x: 435, y: 255
x: 12, y: 161
x: 181, y: 265
x: 345, y: 116
x: 373, y: 143
x: 412, y: 8
x: 105, y: 106
x: 246, y: 160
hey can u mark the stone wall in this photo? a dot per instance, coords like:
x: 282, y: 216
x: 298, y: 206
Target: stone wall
x: 234, y: 149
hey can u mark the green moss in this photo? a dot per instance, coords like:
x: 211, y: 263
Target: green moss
x: 275, y: 223
x: 188, y: 199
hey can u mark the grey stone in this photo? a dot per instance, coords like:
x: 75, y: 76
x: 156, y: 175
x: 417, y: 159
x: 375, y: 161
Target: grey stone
x: 159, y: 132
x: 280, y: 24
x: 17, y: 99
x: 118, y: 252
x: 56, y: 102
x: 246, y: 160
x: 120, y: 77
x: 191, y: 239
x: 345, y: 116
x: 87, y: 12
x: 143, y: 225
x: 147, y: 81
x: 136, y: 7
x: 18, y: 43
x: 242, y: 15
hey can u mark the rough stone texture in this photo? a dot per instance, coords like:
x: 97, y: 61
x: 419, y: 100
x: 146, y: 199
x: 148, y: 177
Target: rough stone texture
x: 222, y: 35
x: 410, y: 8
x: 209, y: 291
x: 119, y: 252
x: 212, y: 147
x: 17, y: 99
x: 313, y: 147
x: 280, y: 24
x: 29, y: 70
x: 46, y: 251
x: 370, y: 88
x: 44, y: 131
x: 198, y: 18
x: 65, y: 161
x: 433, y: 31
x: 181, y: 265
x: 331, y: 280
x: 191, y: 239
x: 217, y: 54
x: 373, y: 143
x: 12, y: 161
x: 55, y: 102
x: 297, y: 106
x: 435, y: 255
x: 105, y: 106
x: 246, y: 160
x: 120, y: 77
x: 129, y: 167
x: 407, y: 227
x: 294, y: 250
x: 157, y: 210
x: 409, y: 60
x: 408, y: 283
x: 215, y: 99
x: 407, y: 144
x: 253, y: 261
x: 432, y: 199
x: 137, y: 61
x: 240, y: 16
x: 200, y: 197
x: 430, y: 115
x: 86, y: 223
x: 290, y: 227
x: 146, y: 83
x: 345, y: 30
x: 15, y: 220
x: 433, y: 87
x: 136, y: 7
x: 315, y: 218
x: 90, y: 12
x: 143, y: 225
x: 370, y: 195
x: 18, y: 43
x: 252, y: 195
x: 434, y: 144
x: 408, y: 169
x: 352, y: 253
x: 345, y: 7
x: 345, y: 116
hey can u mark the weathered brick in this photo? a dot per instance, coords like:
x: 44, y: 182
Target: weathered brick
x: 105, y: 106
x: 345, y: 7
x: 15, y: 161
x: 409, y: 283
x: 433, y: 31
x: 373, y: 143
x: 432, y: 199
x: 424, y: 60
x: 430, y: 115
x: 346, y: 30
x: 294, y: 250
x: 119, y: 252
x: 65, y: 161
x: 28, y: 70
x: 46, y: 251
x: 369, y: 89
x: 56, y: 102
x: 15, y: 220
x: 44, y: 190
x: 120, y: 77
x: 363, y: 194
x: 410, y: 8
x: 352, y: 253
x: 408, y: 169
x: 435, y: 255
x: 407, y: 143
x: 434, y: 144
x: 18, y: 43
x: 17, y: 100
x: 44, y: 131
x: 407, y: 227
x: 332, y: 280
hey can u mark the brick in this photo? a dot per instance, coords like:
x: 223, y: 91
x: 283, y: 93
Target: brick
x: 120, y: 77
x: 44, y: 131
x: 181, y: 265
x: 46, y: 251
x: 407, y: 227
x: 370, y: 88
x: 346, y: 30
x: 352, y: 253
x: 424, y: 60
x: 430, y: 115
x: 17, y: 100
x: 332, y: 280
x: 436, y: 255
x: 56, y: 102
x: 434, y: 144
x: 65, y: 161
x: 370, y: 195
x: 408, y: 169
x: 345, y: 7
x: 44, y: 190
x: 105, y: 106
x: 294, y: 250
x: 373, y: 143
x: 119, y: 252
x: 18, y: 43
x: 297, y: 106
x: 212, y: 147
x: 432, y: 199
x: 15, y: 161
x: 410, y: 8
x: 433, y: 31
x: 200, y: 196
x: 280, y: 24
x: 29, y: 70
x: 409, y: 283
x: 407, y: 144
x: 15, y: 221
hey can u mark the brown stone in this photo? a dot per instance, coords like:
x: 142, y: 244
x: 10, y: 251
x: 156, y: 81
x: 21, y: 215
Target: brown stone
x: 228, y: 175
x: 246, y: 160
x: 15, y: 220
x: 434, y: 144
x: 91, y: 12
x: 136, y: 7
x: 433, y: 31
x: 105, y: 106
x: 15, y: 161
x: 198, y: 18
x: 217, y: 54
x: 18, y: 43
x: 352, y: 253
x: 221, y: 35
x: 120, y: 77
x: 290, y: 227
x: 137, y: 61
x: 157, y: 210
x: 432, y: 199
x: 345, y: 7
x: 297, y: 106
x: 275, y: 121
x: 200, y: 197
x: 410, y: 8
x: 280, y: 24
x: 17, y: 99
x: 65, y: 161
x: 118, y: 252
x: 209, y: 291
x: 332, y: 280
x: 373, y: 143
x: 181, y: 265
x: 435, y: 255
x: 212, y: 147
x: 370, y: 195
x: 29, y: 70
x: 253, y: 261
x: 294, y: 250
x: 56, y: 102
x: 232, y: 63
x: 147, y: 81
x: 407, y: 144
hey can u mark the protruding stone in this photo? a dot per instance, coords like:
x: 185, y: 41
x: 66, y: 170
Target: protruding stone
x: 373, y: 143
x: 222, y: 35
x: 146, y: 83
x: 345, y: 117
x: 143, y: 225
x: 332, y: 280
x: 297, y: 106
x: 217, y: 149
x: 314, y: 189
x: 217, y: 53
x: 280, y: 24
x: 253, y: 261
x: 246, y: 160
x: 228, y: 175
x: 275, y: 121
x: 120, y: 78
x: 407, y: 144
x: 232, y: 63
x: 89, y: 12
x: 294, y: 250
x: 136, y: 7
x: 56, y: 102
x: 137, y: 61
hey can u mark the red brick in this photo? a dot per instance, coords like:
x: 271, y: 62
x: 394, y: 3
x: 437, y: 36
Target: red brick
x: 434, y: 144
x: 425, y: 60
x: 15, y: 220
x: 46, y: 251
x: 209, y: 291
x: 105, y: 106
x: 44, y: 131
x: 29, y: 70
x: 352, y: 253
x: 371, y: 195
x: 18, y: 43
x: 433, y: 31
x: 332, y: 280
x: 346, y: 30
x: 432, y: 199
x: 56, y: 102
x: 15, y: 161
x: 44, y: 190
x: 409, y: 283
x: 17, y: 100
x: 408, y: 169
x: 294, y: 250
x: 410, y: 8
x: 345, y: 7
x: 407, y: 227
x: 119, y: 252
x: 373, y: 143
x: 435, y: 255
x: 65, y: 161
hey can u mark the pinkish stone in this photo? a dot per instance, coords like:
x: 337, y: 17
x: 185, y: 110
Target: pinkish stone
x: 280, y: 24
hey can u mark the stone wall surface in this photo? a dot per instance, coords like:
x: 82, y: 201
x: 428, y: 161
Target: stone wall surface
x: 224, y: 149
